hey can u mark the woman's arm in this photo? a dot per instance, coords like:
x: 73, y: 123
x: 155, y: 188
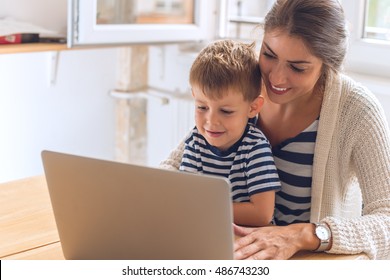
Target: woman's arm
x: 367, y: 130
x: 174, y: 159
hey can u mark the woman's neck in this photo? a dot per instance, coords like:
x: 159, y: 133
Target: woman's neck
x: 283, y: 121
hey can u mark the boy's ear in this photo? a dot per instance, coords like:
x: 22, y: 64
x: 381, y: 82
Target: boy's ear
x: 256, y: 106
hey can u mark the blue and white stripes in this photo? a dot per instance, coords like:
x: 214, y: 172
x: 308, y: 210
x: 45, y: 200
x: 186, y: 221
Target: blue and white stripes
x: 294, y: 160
x: 248, y: 164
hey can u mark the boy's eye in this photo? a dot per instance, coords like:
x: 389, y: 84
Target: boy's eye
x: 201, y: 108
x: 227, y: 112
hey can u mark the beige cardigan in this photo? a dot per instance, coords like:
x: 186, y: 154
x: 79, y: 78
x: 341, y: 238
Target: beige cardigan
x: 351, y: 166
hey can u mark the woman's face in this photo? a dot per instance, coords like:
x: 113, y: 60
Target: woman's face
x: 289, y: 70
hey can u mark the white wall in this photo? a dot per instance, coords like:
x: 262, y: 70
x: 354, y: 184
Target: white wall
x: 75, y: 115
x: 168, y: 123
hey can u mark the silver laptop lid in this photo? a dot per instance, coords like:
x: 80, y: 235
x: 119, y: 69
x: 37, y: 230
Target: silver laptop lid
x: 111, y: 210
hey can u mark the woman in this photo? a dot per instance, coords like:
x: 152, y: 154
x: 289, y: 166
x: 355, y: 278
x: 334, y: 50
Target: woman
x: 329, y: 137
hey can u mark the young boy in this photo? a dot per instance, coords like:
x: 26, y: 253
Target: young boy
x: 226, y: 81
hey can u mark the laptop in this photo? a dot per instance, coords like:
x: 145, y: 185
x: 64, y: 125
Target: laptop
x: 109, y: 210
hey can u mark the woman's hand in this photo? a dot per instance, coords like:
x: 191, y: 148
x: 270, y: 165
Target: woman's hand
x: 273, y: 242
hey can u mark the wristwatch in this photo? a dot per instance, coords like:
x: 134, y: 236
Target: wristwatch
x: 323, y: 233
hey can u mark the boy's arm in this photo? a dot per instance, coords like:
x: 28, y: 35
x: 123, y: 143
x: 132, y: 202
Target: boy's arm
x: 262, y: 183
x: 258, y: 212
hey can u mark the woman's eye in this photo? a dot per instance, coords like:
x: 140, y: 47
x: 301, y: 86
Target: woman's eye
x: 297, y: 69
x: 268, y: 55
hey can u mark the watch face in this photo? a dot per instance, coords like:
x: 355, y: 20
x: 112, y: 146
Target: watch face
x: 322, y: 233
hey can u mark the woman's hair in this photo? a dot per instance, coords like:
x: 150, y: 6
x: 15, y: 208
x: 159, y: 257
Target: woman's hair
x: 319, y: 23
x: 227, y: 64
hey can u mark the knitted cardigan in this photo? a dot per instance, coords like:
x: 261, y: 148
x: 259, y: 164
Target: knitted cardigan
x: 351, y: 170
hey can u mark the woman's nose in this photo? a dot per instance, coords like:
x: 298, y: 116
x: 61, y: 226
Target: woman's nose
x: 277, y: 75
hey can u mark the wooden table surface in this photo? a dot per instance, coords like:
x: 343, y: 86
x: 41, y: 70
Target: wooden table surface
x: 28, y: 230
x: 26, y: 216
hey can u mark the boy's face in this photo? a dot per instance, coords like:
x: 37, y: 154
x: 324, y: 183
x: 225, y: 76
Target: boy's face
x: 222, y: 121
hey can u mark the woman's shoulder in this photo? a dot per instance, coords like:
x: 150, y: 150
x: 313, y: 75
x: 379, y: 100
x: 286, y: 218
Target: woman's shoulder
x: 357, y: 97
x: 359, y: 109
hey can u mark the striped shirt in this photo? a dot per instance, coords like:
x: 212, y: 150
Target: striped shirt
x: 248, y: 164
x: 294, y: 160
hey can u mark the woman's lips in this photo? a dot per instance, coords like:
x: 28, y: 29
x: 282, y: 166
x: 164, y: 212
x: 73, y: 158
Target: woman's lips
x: 278, y: 90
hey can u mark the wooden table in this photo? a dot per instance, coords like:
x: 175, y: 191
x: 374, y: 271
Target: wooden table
x: 28, y: 230
x: 26, y: 219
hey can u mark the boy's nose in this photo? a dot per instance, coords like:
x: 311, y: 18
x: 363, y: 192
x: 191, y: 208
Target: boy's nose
x: 213, y: 118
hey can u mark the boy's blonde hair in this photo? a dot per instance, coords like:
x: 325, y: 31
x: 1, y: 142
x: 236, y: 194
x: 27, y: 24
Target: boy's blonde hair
x: 227, y: 64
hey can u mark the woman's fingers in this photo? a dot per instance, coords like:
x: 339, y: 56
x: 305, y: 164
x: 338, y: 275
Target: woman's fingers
x: 246, y: 245
x: 242, y: 231
x: 263, y: 243
x: 245, y: 250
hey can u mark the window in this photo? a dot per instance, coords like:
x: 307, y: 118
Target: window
x: 369, y: 23
x: 377, y: 20
x: 145, y: 12
x: 242, y: 17
x: 134, y: 21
